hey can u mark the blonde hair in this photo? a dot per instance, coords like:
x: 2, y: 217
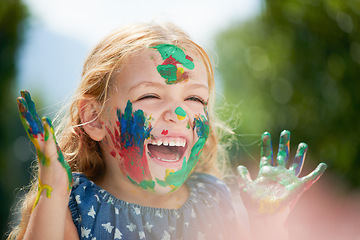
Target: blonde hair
x: 106, y: 59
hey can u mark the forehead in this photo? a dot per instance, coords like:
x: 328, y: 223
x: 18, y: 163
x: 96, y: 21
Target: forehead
x: 144, y: 67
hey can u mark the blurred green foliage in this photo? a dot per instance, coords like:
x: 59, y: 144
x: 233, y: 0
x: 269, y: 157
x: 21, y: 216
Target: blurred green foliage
x: 296, y: 66
x: 12, y: 15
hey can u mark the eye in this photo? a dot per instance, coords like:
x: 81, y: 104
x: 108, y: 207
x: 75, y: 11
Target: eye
x: 148, y: 96
x: 197, y: 99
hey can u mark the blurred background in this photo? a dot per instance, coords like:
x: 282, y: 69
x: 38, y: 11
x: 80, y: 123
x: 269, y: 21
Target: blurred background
x: 289, y: 64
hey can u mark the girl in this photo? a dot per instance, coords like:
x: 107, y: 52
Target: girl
x: 137, y: 152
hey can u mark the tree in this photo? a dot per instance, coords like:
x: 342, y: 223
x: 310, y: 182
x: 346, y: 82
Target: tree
x: 12, y: 15
x: 295, y: 67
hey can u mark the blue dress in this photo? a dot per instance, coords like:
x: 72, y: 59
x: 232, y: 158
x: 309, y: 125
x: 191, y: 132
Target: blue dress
x: 207, y: 214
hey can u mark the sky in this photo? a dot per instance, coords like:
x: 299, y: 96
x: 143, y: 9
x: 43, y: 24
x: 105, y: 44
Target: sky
x: 59, y: 34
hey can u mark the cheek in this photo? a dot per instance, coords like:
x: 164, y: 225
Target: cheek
x: 194, y: 109
x: 126, y: 137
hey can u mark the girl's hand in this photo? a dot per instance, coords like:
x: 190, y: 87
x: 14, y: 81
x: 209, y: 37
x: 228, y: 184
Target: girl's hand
x: 276, y: 188
x: 54, y: 172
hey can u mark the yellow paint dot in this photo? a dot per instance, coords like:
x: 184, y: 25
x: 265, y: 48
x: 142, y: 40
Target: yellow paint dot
x: 180, y: 117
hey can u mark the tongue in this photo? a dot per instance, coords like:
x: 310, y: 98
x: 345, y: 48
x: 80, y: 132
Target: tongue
x: 164, y: 152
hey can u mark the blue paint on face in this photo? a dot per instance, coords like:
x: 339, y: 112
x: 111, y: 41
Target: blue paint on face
x: 134, y: 127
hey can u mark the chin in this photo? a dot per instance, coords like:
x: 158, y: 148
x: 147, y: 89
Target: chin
x: 162, y: 171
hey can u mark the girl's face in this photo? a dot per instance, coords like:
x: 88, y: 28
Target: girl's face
x: 158, y: 122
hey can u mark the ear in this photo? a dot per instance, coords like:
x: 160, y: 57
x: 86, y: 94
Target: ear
x: 89, y: 111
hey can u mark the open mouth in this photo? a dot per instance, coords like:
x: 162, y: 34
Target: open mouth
x: 167, y: 150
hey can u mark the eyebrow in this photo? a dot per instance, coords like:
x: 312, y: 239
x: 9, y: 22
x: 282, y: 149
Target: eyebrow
x: 146, y: 84
x: 199, y: 85
x: 160, y: 85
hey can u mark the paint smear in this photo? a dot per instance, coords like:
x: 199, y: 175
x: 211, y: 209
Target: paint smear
x: 172, y: 56
x: 50, y: 129
x: 38, y: 130
x: 299, y: 158
x: 284, y: 148
x: 128, y: 137
x: 41, y: 188
x: 269, y: 205
x: 33, y: 128
x: 180, y: 113
x: 176, y: 179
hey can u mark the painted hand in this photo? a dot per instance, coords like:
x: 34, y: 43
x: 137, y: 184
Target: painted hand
x: 276, y: 187
x: 51, y: 159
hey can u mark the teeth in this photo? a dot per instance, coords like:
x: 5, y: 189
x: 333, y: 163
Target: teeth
x: 165, y: 160
x: 166, y: 142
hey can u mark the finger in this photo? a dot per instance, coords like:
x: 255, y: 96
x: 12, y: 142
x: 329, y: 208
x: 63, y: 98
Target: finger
x: 284, y: 148
x: 298, y: 162
x: 266, y: 150
x: 49, y: 149
x: 244, y: 178
x: 50, y: 136
x: 314, y: 175
x: 32, y: 109
x: 29, y: 124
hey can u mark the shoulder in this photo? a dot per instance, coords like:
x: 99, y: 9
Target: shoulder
x: 82, y: 184
x: 207, y: 183
x: 84, y: 196
x: 210, y: 193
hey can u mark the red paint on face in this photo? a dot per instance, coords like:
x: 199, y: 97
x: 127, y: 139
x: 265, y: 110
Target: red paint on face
x: 165, y: 132
x: 133, y: 161
x: 114, y: 141
x: 134, y: 164
x: 170, y: 60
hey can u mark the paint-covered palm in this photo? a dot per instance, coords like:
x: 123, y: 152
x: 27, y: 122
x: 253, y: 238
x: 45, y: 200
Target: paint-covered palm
x: 41, y: 134
x: 276, y: 186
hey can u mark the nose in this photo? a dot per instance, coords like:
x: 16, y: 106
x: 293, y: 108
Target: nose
x: 175, y: 114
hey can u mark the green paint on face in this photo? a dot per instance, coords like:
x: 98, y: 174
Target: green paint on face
x: 181, y: 114
x: 145, y: 184
x: 168, y: 72
x: 173, y: 56
x: 176, y: 179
